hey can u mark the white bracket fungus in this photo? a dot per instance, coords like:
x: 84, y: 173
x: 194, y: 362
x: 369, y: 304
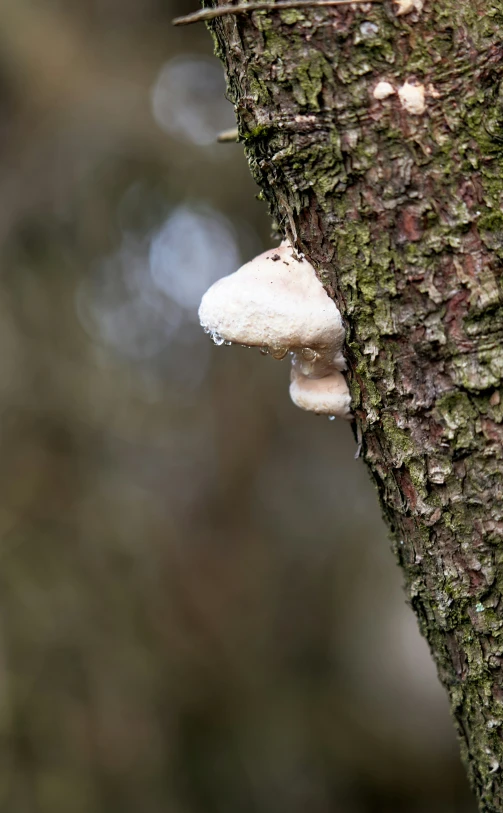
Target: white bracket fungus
x: 277, y: 303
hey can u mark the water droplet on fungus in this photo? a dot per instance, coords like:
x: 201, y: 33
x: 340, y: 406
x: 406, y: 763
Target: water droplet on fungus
x: 278, y: 353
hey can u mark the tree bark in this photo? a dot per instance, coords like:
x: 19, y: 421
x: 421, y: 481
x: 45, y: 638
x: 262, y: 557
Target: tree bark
x: 400, y: 211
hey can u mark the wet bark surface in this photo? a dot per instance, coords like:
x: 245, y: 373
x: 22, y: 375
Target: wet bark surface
x: 394, y: 192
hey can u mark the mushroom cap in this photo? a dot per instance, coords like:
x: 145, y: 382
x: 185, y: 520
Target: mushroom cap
x: 275, y: 300
x: 328, y: 395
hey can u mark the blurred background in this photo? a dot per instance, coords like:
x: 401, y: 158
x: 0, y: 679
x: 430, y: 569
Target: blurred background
x: 199, y: 609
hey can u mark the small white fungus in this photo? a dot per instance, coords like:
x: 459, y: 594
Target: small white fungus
x: 412, y: 98
x: 382, y: 90
x: 406, y: 6
x: 326, y: 396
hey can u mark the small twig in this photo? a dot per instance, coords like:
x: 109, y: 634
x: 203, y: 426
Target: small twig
x: 245, y: 8
x: 228, y: 135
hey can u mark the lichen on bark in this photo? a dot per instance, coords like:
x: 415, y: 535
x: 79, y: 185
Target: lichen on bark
x: 401, y: 213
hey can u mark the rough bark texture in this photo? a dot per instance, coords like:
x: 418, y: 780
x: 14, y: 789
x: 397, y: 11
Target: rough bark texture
x: 401, y: 214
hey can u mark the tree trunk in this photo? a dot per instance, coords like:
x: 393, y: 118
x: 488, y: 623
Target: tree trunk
x: 394, y: 192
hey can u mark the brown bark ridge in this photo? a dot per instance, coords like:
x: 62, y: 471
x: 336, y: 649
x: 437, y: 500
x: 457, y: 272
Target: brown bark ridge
x: 395, y: 194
